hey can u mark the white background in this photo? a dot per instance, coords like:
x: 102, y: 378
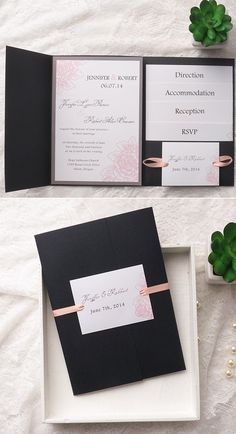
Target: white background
x: 135, y: 27
x: 181, y: 221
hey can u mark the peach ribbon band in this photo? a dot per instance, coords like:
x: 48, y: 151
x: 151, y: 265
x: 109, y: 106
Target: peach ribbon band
x: 67, y: 310
x: 153, y: 289
x: 79, y: 307
x: 155, y: 162
x: 223, y: 161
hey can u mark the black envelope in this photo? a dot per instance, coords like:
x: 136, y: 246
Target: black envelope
x: 123, y: 354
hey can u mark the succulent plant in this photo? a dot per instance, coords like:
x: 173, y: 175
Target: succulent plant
x: 209, y: 23
x: 223, y: 255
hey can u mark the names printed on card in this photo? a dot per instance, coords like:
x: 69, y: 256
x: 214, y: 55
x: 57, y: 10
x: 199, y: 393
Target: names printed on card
x: 190, y: 163
x: 97, y: 121
x: 112, y: 299
x: 184, y: 101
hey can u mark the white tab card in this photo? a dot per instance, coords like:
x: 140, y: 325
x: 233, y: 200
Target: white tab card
x: 112, y: 299
x: 190, y: 163
x: 189, y: 103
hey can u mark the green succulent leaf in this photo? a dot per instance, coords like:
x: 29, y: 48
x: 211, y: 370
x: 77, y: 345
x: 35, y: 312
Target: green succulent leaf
x: 195, y: 16
x: 212, y: 258
x: 217, y: 39
x: 216, y: 22
x: 219, y: 267
x: 229, y: 275
x: 228, y: 26
x: 211, y: 34
x: 227, y: 18
x: 234, y: 264
x: 223, y: 36
x: 192, y: 27
x: 226, y: 259
x: 217, y: 235
x: 233, y: 246
x: 200, y: 33
x: 230, y: 231
x: 229, y: 251
x: 206, y: 7
x: 219, y: 11
x: 220, y: 28
x: 217, y: 246
x: 213, y: 3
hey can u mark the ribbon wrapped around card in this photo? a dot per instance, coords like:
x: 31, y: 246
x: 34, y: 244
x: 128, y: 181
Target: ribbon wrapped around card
x: 155, y: 162
x: 158, y: 163
x: 78, y: 307
x: 223, y: 161
x: 155, y: 288
x: 68, y: 309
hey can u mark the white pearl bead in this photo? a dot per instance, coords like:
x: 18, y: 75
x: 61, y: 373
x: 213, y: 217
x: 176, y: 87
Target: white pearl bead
x: 198, y: 304
x: 234, y: 325
x: 229, y: 373
x: 233, y: 349
x: 231, y: 363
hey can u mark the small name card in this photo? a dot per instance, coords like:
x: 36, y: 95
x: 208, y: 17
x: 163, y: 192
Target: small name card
x: 112, y: 299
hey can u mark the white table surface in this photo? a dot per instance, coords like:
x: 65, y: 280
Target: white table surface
x: 122, y: 27
x: 181, y: 221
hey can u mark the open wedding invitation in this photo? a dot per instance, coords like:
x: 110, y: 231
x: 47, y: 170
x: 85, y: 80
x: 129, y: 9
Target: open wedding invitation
x: 113, y: 310
x: 113, y: 120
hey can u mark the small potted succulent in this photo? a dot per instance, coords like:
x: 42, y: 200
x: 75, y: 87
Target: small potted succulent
x: 210, y: 24
x: 221, y: 265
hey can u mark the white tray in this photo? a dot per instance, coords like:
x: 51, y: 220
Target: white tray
x: 166, y: 398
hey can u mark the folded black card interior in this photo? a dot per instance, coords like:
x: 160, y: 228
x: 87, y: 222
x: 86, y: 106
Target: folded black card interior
x: 118, y: 120
x: 120, y: 336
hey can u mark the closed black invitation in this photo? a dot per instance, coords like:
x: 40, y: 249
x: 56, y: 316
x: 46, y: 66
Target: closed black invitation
x: 123, y: 354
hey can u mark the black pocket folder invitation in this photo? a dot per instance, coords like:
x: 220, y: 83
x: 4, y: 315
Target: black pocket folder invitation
x: 121, y: 335
x: 118, y: 120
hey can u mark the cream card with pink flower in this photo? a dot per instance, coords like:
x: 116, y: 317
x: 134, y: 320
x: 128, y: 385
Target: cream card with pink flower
x: 97, y: 113
x: 112, y: 299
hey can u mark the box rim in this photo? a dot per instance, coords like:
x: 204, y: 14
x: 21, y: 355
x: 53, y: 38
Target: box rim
x: 196, y: 416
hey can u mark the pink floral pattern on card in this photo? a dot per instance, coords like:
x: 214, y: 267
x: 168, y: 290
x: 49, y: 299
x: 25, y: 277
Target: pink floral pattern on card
x: 212, y: 177
x: 124, y: 164
x: 142, y: 304
x: 213, y: 173
x: 67, y: 72
x: 143, y: 308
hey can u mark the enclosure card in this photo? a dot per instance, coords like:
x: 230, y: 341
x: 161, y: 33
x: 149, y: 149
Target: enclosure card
x: 97, y: 120
x: 189, y: 103
x: 112, y: 299
x: 190, y: 163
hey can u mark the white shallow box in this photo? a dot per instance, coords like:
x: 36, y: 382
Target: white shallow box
x: 170, y: 397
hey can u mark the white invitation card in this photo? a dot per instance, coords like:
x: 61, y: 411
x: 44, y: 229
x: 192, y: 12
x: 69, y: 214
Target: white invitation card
x: 112, y: 299
x: 97, y: 120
